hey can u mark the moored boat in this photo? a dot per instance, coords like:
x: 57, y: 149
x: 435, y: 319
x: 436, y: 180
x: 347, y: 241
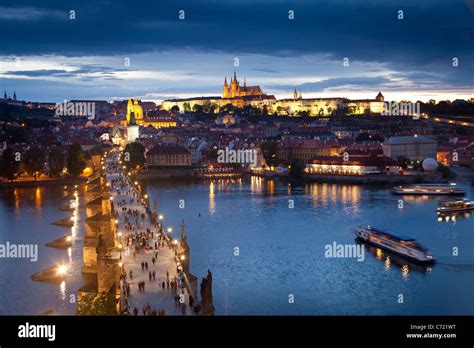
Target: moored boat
x: 402, y: 245
x: 455, y: 206
x: 429, y: 189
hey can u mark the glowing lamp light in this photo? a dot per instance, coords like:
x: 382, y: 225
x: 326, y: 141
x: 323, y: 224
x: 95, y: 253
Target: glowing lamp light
x: 170, y: 230
x: 183, y: 257
x: 146, y: 196
x: 68, y: 238
x: 61, y: 270
x: 120, y: 264
x: 160, y: 217
x: 136, y: 182
x: 175, y: 242
x: 119, y: 234
x: 116, y: 221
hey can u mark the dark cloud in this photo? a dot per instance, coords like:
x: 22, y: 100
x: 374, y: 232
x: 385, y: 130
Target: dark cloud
x: 38, y: 73
x: 319, y: 86
x: 425, y: 41
x: 269, y: 71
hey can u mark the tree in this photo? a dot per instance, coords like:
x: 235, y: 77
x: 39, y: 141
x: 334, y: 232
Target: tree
x: 175, y: 109
x: 212, y: 153
x: 56, y: 160
x: 446, y: 172
x: 9, y: 166
x: 228, y: 108
x: 296, y: 169
x: 34, y: 160
x: 76, y: 161
x: 207, y: 106
x: 213, y: 108
x: 270, y: 151
x: 197, y: 108
x: 97, y: 150
x: 187, y: 107
x: 133, y: 155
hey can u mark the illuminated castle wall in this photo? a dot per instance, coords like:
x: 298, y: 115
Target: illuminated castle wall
x: 241, y: 96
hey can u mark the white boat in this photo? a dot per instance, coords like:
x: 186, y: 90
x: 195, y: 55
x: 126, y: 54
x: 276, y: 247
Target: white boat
x: 455, y: 206
x: 429, y: 189
x: 396, y: 243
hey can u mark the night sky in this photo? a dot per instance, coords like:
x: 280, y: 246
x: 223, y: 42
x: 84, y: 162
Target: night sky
x: 46, y: 56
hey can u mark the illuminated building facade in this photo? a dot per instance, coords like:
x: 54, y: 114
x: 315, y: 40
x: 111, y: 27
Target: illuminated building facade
x: 135, y: 109
x: 241, y: 96
x: 356, y: 165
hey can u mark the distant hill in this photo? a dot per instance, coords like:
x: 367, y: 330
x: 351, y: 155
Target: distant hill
x: 17, y: 113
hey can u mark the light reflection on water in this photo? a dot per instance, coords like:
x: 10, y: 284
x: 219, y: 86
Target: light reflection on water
x: 282, y: 249
x: 26, y: 215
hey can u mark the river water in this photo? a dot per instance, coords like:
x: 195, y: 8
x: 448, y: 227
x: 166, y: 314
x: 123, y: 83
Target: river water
x: 266, y: 257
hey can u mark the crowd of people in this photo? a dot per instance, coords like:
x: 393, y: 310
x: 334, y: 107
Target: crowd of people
x: 143, y: 241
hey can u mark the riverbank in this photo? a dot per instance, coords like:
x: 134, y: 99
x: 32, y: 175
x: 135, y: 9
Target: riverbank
x: 374, y: 178
x: 43, y: 182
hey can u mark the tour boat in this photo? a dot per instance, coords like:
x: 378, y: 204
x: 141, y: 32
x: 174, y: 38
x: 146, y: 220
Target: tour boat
x: 396, y: 243
x: 429, y: 189
x: 455, y: 206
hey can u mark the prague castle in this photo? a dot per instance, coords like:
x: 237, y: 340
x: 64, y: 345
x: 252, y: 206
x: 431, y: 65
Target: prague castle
x: 235, y: 90
x: 241, y: 96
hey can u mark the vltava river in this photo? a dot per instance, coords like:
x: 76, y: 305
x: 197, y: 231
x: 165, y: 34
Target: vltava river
x: 281, y: 250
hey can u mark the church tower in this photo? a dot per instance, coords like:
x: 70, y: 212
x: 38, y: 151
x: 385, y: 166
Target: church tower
x: 129, y: 109
x: 14, y: 95
x: 132, y: 129
x: 380, y: 97
x: 225, y: 92
x: 234, y: 86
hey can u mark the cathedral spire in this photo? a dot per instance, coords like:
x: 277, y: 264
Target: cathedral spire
x: 235, y: 76
x: 225, y: 81
x: 245, y: 82
x: 14, y: 95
